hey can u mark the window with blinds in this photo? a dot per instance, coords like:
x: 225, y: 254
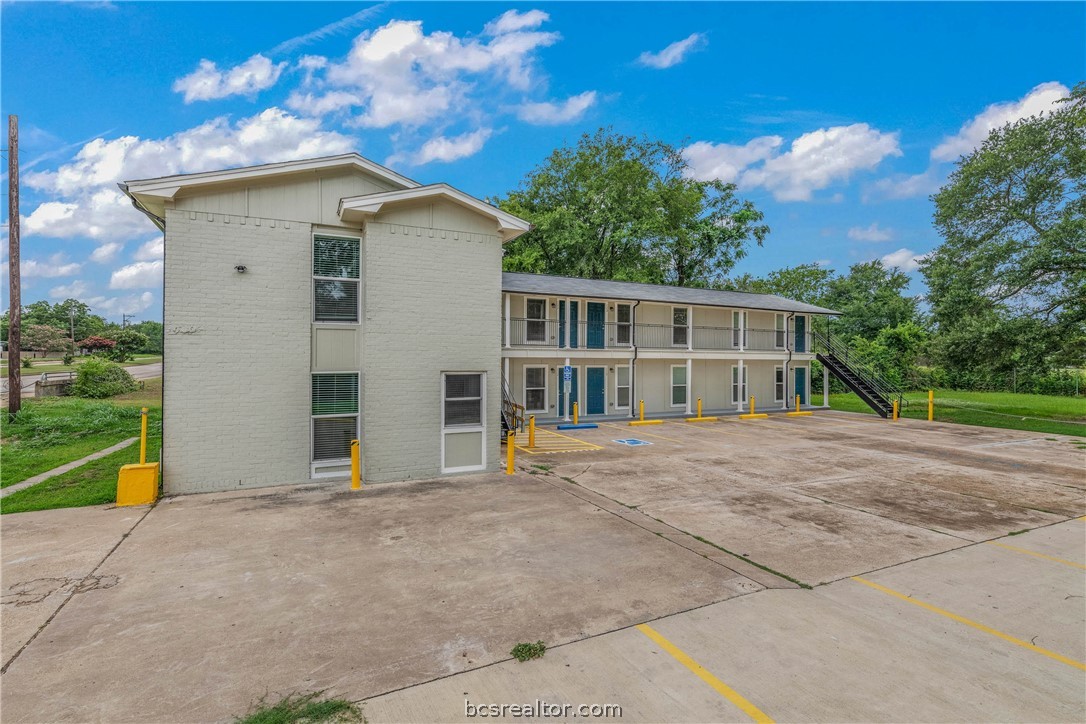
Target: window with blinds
x: 463, y: 400
x: 336, y: 272
x: 335, y: 415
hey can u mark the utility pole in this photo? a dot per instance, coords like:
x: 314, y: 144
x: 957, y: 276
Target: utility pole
x: 15, y: 307
x: 125, y: 318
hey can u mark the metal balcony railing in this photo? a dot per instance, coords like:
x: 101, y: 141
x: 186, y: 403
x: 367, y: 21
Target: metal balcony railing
x: 552, y: 334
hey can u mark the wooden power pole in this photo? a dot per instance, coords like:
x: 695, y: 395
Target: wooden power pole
x: 15, y: 308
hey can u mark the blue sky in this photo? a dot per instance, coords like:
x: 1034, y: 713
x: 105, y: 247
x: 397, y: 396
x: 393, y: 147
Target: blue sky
x: 837, y: 120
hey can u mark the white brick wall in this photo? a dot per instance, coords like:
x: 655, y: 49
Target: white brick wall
x: 431, y: 304
x: 236, y: 378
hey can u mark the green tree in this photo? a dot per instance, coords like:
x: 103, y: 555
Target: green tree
x: 1014, y: 245
x: 153, y: 331
x: 129, y: 341
x: 808, y: 283
x: 618, y: 207
x: 43, y: 338
x: 869, y: 298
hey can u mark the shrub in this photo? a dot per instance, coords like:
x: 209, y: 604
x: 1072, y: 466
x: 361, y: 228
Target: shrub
x: 126, y: 344
x: 99, y: 378
x: 95, y: 344
x: 69, y: 358
x: 28, y: 362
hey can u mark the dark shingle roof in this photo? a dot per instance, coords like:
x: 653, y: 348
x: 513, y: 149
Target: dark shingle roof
x: 545, y: 284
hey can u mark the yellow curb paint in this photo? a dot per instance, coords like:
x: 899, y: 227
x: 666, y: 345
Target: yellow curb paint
x: 721, y: 688
x: 637, y: 423
x: 979, y: 626
x: 754, y: 416
x: 1038, y: 555
x: 702, y: 419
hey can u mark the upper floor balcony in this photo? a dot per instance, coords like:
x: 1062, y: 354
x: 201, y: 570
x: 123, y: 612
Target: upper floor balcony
x: 554, y: 334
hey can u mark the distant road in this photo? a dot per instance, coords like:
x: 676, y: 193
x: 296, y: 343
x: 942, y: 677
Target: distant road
x: 139, y: 372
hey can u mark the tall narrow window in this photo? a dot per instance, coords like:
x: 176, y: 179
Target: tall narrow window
x: 780, y: 331
x: 535, y: 389
x: 536, y: 312
x: 463, y: 400
x: 678, y: 385
x: 335, y: 415
x: 680, y: 331
x: 336, y: 267
x: 778, y: 384
x: 739, y: 386
x: 737, y: 328
x: 622, y: 386
x: 463, y: 421
x: 623, y: 320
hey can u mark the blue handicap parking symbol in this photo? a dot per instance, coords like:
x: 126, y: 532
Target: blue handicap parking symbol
x: 632, y: 442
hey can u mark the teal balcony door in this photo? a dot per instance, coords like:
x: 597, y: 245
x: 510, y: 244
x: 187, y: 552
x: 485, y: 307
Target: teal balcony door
x: 594, y: 338
x: 595, y: 400
x: 574, y: 313
x: 801, y: 334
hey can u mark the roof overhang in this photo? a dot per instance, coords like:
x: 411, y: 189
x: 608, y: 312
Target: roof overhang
x: 150, y: 195
x: 363, y: 208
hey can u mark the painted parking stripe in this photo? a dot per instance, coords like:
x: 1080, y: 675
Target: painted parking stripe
x: 979, y: 626
x: 721, y: 688
x: 1038, y: 555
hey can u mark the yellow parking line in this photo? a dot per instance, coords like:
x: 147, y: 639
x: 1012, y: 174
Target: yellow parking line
x: 639, y: 432
x: 979, y: 626
x: 723, y: 689
x: 1038, y: 555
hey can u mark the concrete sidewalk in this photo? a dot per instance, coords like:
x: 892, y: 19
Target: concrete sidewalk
x: 42, y: 477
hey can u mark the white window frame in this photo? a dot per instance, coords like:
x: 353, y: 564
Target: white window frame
x: 628, y: 386
x: 780, y: 336
x: 738, y: 386
x: 524, y: 388
x: 313, y: 286
x: 528, y: 320
x: 738, y: 329
x: 783, y: 384
x: 672, y: 386
x: 627, y: 325
x: 315, y: 466
x: 446, y: 430
x: 689, y: 331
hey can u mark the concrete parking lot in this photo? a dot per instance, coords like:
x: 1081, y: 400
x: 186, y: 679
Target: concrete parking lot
x: 668, y: 579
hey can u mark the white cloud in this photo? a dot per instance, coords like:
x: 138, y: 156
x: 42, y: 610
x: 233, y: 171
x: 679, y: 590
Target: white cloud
x: 674, y: 53
x: 91, y: 206
x: 75, y: 290
x: 511, y: 21
x: 906, y: 260
x: 904, y: 186
x: 207, y: 82
x: 1039, y: 100
x: 400, y: 75
x: 140, y: 275
x: 150, y: 250
x: 813, y: 162
x: 56, y: 265
x: 870, y: 233
x: 552, y: 114
x: 115, y: 306
x: 725, y: 161
x: 446, y: 149
x: 106, y: 252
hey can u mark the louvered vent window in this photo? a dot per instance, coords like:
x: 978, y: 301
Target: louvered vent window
x: 335, y: 415
x: 336, y: 267
x: 463, y: 400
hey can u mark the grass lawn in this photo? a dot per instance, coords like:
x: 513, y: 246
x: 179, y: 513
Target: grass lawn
x: 40, y: 365
x: 1036, y: 413
x: 56, y: 430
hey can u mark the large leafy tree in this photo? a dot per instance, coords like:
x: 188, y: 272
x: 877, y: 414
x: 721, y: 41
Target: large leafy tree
x: 869, y: 298
x: 619, y: 207
x: 807, y: 283
x: 1008, y: 282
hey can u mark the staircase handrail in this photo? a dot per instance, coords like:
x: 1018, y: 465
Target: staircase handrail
x: 860, y: 367
x: 512, y: 409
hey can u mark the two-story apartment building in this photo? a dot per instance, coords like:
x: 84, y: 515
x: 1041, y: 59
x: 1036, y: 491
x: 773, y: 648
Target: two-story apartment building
x: 626, y: 342
x: 310, y: 303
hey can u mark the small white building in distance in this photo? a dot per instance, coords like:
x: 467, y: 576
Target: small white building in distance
x: 310, y: 303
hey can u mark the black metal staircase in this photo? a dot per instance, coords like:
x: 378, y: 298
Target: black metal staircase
x: 856, y: 375
x: 512, y: 411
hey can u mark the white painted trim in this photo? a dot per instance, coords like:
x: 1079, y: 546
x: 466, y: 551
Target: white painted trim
x: 361, y: 208
x: 316, y: 465
x: 508, y: 322
x: 689, y: 327
x: 671, y: 386
x: 584, y: 399
x: 546, y: 386
x: 629, y: 324
x: 689, y: 384
x: 313, y: 278
x: 627, y: 386
x: 464, y: 428
x: 780, y: 316
x: 742, y: 380
x: 546, y: 311
x: 784, y: 384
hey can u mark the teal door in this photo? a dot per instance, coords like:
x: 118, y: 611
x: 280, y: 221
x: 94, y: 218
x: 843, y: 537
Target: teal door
x: 562, y: 393
x: 801, y: 384
x: 595, y: 400
x: 574, y: 312
x: 801, y: 334
x: 594, y: 332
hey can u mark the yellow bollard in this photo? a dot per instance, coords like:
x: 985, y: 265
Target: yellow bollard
x: 356, y: 466
x: 797, y: 412
x: 752, y: 404
x: 143, y: 436
x: 642, y: 406
x: 931, y: 405
x: 510, y: 443
x: 531, y: 431
x: 895, y: 410
x: 574, y: 413
x: 752, y: 415
x: 797, y: 403
x: 699, y: 407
